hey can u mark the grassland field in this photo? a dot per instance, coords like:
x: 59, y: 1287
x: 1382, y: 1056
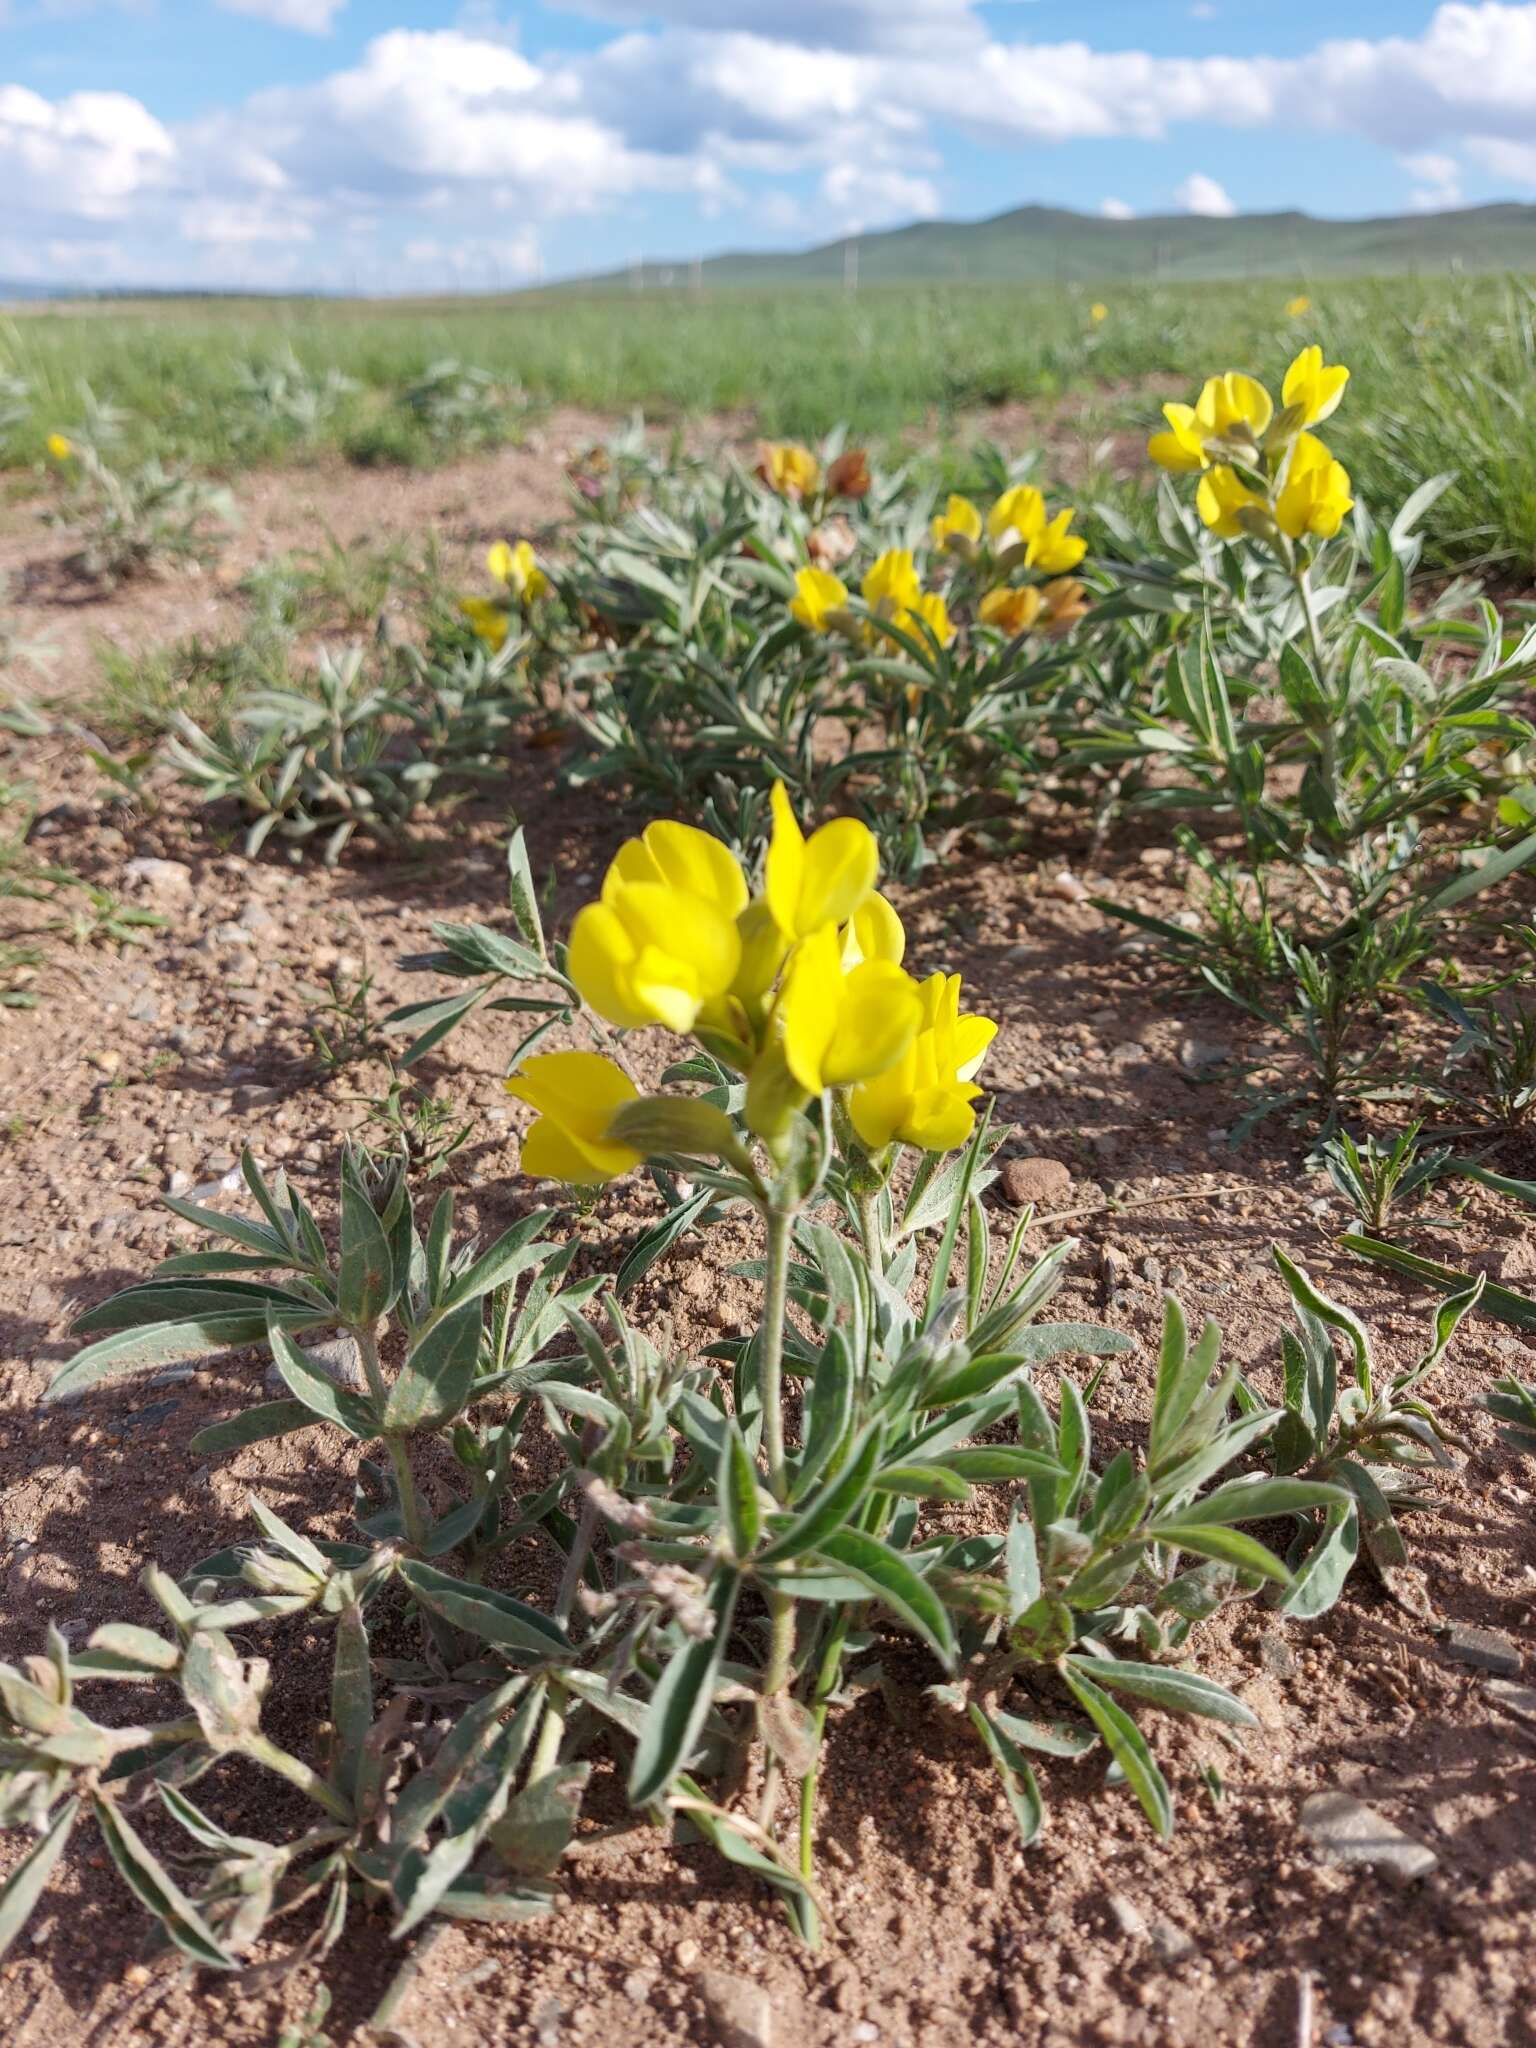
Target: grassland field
x: 1444, y: 370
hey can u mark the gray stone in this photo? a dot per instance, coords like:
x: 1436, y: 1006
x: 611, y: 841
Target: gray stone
x: 163, y: 878
x: 1345, y: 1830
x: 1515, y: 1699
x: 1128, y: 1917
x: 740, y: 2013
x: 1172, y: 1944
x: 1484, y: 1648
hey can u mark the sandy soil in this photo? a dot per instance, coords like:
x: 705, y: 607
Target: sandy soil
x: 169, y: 1056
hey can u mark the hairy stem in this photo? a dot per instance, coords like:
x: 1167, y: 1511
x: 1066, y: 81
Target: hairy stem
x: 770, y: 1364
x: 399, y: 1456
x: 263, y: 1750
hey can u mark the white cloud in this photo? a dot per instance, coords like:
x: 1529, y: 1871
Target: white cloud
x: 843, y: 101
x: 1515, y: 162
x: 88, y: 155
x: 860, y: 198
x: 312, y: 17
x: 1200, y: 194
x: 1439, y: 179
x: 1116, y: 209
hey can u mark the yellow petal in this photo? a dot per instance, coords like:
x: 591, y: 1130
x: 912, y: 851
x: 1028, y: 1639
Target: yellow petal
x: 499, y: 561
x: 698, y: 863
x: 840, y: 866
x: 972, y: 1037
x: 552, y: 1153
x: 1020, y: 510
x: 580, y: 1090
x: 876, y: 1022
x: 808, y: 1005
x: 600, y: 959
x: 891, y: 579
x: 784, y: 867
x: 939, y: 1119
x: 876, y: 933
x: 880, y: 1106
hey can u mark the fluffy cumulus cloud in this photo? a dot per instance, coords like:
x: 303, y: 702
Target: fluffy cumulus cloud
x: 830, y: 114
x: 1200, y: 194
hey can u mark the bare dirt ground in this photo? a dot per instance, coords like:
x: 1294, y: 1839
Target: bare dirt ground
x: 167, y: 1057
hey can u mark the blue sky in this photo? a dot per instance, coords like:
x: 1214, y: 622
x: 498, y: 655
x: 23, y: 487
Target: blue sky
x: 406, y: 144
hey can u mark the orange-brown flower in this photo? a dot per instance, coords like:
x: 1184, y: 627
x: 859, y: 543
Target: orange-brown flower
x: 848, y: 475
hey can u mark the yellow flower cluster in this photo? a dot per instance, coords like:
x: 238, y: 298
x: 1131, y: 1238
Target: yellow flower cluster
x: 523, y: 583
x: 891, y: 588
x: 1262, y: 471
x: 800, y: 988
x: 1017, y: 530
x: 60, y: 447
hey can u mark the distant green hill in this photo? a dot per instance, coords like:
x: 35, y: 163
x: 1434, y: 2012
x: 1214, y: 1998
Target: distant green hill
x: 1041, y: 244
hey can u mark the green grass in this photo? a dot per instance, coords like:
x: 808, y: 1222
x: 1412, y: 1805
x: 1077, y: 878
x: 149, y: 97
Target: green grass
x: 1445, y: 369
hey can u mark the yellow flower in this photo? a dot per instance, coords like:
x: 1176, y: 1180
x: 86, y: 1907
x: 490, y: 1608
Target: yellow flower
x: 488, y: 618
x: 1315, y: 495
x: 788, y: 468
x: 958, y: 521
x: 891, y: 582
x: 1229, y: 407
x: 1019, y: 512
x: 576, y: 1094
x: 1233, y: 404
x: 1221, y: 499
x: 1098, y: 312
x: 925, y: 1097
x: 1314, y: 385
x: 843, y: 1027
x: 930, y: 610
x: 1053, y: 550
x: 662, y: 942
x: 817, y: 592
x: 874, y: 932
x: 60, y: 447
x: 1296, y: 307
x: 1011, y: 611
x: 1181, y: 447
x: 823, y: 880
x: 518, y: 568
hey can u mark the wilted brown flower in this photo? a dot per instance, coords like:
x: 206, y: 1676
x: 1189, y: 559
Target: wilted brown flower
x: 1066, y: 601
x: 848, y: 475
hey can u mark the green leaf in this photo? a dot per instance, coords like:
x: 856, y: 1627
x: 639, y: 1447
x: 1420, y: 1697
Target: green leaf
x: 521, y: 893
x: 255, y: 1426
x: 1332, y: 1313
x: 830, y: 1507
x: 438, y: 1374
x: 507, y: 1259
x: 1255, y: 1500
x: 139, y: 1350
x: 1020, y: 1786
x: 155, y: 1891
x: 1229, y: 1546
x: 891, y: 1579
x: 365, y: 1276
x: 1177, y: 1692
x: 1319, y: 1578
x: 192, y: 1299
x: 24, y: 1886
x: 1003, y: 1461
x: 351, y: 1700
x: 921, y: 1482
x: 830, y: 1396
x: 318, y: 1392
x: 736, y: 1484
x: 1126, y: 1744
x: 683, y: 1695
x: 494, y: 1616
x: 1518, y: 1310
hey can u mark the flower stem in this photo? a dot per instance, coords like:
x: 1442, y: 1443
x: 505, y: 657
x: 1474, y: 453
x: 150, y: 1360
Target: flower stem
x: 399, y: 1456
x: 770, y: 1364
x: 826, y: 1684
x: 263, y: 1750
